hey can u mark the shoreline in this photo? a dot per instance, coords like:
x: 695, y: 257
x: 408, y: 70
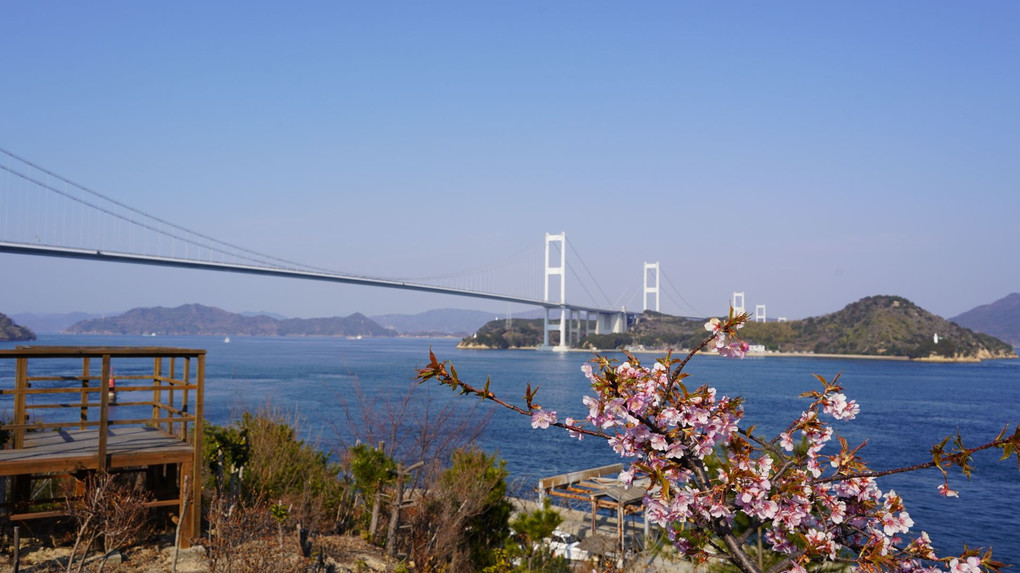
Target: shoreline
x: 780, y: 354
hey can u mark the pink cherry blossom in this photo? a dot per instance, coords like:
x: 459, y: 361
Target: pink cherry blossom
x: 542, y: 418
x: 971, y: 565
x: 944, y: 491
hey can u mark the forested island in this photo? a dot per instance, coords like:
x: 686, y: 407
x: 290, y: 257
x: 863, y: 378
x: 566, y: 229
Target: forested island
x: 199, y: 320
x: 881, y: 326
x: 9, y: 331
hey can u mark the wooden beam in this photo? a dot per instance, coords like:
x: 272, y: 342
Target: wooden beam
x: 104, y: 412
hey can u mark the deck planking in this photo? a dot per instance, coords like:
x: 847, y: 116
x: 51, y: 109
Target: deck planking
x: 72, y: 450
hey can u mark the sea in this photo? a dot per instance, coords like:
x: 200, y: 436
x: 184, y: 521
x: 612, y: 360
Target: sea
x: 334, y: 388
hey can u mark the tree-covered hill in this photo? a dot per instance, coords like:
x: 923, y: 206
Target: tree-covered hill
x: 889, y: 326
x: 11, y: 331
x: 522, y: 333
x: 199, y: 320
x: 1001, y: 319
x: 878, y: 326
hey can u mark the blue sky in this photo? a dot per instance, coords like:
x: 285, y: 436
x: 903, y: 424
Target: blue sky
x: 808, y: 154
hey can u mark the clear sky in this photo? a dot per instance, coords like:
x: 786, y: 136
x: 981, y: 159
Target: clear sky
x: 806, y: 153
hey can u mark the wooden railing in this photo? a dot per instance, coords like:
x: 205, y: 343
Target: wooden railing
x: 121, y: 381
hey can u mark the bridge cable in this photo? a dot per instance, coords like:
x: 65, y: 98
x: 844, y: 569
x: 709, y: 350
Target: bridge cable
x: 143, y: 214
x: 689, y: 305
x: 580, y: 282
x: 578, y: 255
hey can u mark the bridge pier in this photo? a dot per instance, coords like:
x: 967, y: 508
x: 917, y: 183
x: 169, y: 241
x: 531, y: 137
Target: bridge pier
x: 611, y: 322
x: 572, y: 325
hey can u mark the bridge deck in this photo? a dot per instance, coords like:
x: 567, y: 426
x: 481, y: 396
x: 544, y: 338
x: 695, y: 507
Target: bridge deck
x: 73, y: 450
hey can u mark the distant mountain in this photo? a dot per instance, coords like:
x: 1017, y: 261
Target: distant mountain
x: 275, y: 315
x: 11, y: 331
x: 198, y: 320
x: 439, y: 321
x: 447, y: 321
x: 51, y: 323
x: 1000, y: 319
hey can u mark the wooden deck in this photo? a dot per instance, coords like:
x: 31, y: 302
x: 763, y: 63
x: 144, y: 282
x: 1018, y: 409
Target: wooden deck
x: 75, y: 450
x: 95, y: 409
x: 592, y: 486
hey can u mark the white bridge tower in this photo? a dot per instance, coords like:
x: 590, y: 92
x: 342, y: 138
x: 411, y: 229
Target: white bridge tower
x: 651, y: 285
x: 738, y: 303
x: 560, y: 273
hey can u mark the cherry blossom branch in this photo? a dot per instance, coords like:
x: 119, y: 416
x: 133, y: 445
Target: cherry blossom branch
x: 438, y: 371
x: 958, y: 458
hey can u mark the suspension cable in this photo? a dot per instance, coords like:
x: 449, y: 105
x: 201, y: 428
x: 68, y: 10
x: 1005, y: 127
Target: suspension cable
x: 578, y: 255
x: 689, y: 305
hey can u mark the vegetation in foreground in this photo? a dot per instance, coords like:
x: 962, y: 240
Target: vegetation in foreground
x: 274, y: 502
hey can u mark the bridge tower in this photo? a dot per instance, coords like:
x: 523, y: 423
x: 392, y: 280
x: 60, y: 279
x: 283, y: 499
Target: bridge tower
x: 738, y: 303
x: 759, y: 313
x: 558, y: 272
x: 651, y: 270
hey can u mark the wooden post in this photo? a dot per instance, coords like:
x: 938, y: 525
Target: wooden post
x: 188, y: 526
x: 619, y: 526
x: 184, y: 401
x: 84, y: 391
x: 104, y: 412
x: 398, y: 497
x: 156, y: 383
x: 170, y: 391
x: 20, y: 412
x: 17, y: 548
x: 196, y: 477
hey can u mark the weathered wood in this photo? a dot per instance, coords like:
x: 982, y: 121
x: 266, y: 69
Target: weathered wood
x: 74, y: 450
x: 157, y: 382
x: 574, y: 477
x: 104, y: 412
x: 85, y: 443
x: 115, y: 351
x: 84, y: 391
x: 20, y: 386
x: 36, y: 391
x: 196, y: 444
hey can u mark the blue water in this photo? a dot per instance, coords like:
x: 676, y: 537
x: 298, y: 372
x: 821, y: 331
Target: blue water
x: 905, y: 408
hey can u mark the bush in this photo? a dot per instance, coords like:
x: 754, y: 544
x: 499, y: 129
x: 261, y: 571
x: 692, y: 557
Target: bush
x: 262, y: 455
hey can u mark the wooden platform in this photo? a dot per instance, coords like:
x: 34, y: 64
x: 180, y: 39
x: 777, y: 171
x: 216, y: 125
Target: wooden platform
x: 74, y: 450
x: 81, y: 409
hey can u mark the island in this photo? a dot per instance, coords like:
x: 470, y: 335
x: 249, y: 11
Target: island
x: 200, y: 320
x: 9, y: 331
x: 877, y: 326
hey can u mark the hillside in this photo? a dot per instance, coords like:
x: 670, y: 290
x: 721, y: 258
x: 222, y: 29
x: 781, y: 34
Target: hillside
x: 198, y: 320
x: 9, y: 331
x: 879, y: 326
x: 522, y: 333
x: 51, y: 323
x: 888, y: 326
x: 1001, y: 319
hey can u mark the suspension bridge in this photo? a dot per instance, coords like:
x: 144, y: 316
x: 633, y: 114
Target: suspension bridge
x: 45, y: 214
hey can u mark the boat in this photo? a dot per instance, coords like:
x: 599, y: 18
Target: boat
x: 226, y: 340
